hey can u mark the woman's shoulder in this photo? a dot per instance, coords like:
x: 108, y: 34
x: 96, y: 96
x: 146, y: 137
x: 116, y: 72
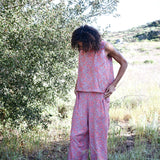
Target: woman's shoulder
x: 107, y: 45
x: 103, y: 43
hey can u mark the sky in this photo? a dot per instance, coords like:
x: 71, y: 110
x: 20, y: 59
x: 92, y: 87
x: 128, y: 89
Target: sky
x: 132, y: 13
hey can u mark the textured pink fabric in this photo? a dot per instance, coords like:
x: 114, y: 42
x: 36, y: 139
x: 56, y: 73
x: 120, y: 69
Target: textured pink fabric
x: 90, y: 123
x: 95, y: 71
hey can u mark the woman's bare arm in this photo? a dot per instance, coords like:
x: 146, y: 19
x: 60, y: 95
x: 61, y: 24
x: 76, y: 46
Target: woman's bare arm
x: 111, y: 51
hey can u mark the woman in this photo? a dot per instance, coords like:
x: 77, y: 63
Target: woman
x: 95, y: 84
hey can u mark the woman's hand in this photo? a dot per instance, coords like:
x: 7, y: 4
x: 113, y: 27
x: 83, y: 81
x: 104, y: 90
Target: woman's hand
x: 109, y: 91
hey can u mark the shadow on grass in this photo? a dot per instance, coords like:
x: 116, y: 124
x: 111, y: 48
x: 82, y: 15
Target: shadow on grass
x: 55, y: 151
x: 121, y: 147
x: 133, y: 147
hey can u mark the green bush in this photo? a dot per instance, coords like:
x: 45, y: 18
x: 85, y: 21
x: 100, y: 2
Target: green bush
x: 36, y: 59
x: 148, y: 61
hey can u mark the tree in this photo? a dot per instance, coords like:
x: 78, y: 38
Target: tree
x: 36, y: 59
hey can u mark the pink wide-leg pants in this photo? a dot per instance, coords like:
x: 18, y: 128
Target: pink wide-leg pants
x: 90, y: 124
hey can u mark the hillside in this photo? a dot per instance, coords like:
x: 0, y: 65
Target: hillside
x: 149, y: 31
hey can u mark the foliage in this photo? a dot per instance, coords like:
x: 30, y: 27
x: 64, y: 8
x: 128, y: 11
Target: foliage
x: 36, y: 60
x: 148, y: 35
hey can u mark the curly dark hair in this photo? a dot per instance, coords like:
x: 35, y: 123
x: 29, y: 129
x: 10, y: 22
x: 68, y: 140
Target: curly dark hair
x: 89, y: 37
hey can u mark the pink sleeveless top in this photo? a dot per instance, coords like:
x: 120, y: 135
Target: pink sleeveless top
x: 95, y: 71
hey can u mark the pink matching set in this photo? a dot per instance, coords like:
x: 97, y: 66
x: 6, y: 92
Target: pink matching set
x: 90, y: 120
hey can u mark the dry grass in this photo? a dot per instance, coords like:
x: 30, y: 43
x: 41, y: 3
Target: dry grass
x: 138, y: 93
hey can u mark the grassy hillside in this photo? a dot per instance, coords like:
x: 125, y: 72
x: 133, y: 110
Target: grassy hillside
x: 149, y: 31
x: 135, y: 107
